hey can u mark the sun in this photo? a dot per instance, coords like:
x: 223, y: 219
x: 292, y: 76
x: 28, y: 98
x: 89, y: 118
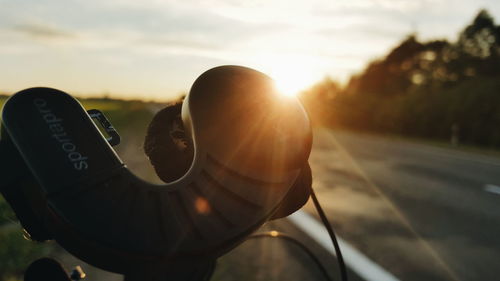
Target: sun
x: 292, y: 73
x: 290, y: 82
x: 287, y: 88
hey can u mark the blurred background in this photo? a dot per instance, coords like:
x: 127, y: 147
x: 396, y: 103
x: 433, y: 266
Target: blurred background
x: 404, y: 97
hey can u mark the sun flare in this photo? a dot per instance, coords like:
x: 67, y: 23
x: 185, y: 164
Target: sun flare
x: 287, y: 88
x: 290, y: 82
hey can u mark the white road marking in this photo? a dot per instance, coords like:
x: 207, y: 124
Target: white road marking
x: 354, y: 259
x: 492, y: 188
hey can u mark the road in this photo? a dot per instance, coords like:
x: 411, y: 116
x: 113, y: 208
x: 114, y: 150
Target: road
x: 417, y: 211
x: 420, y: 212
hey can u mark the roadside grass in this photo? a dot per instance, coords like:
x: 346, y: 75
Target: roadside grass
x: 474, y: 149
x: 16, y: 253
x: 492, y: 152
x: 2, y: 100
x: 6, y: 214
x: 126, y: 116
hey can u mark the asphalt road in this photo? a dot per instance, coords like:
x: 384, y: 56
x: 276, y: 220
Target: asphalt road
x: 420, y: 212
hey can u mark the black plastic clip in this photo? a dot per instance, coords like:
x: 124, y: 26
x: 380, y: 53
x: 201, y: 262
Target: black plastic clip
x: 114, y: 137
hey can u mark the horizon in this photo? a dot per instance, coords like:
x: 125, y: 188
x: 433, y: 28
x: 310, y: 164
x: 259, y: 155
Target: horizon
x: 154, y: 50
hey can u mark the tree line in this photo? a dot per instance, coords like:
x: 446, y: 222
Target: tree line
x: 422, y: 89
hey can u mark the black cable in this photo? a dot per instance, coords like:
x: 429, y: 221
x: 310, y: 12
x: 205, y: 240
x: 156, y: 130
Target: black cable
x: 276, y: 234
x: 329, y: 228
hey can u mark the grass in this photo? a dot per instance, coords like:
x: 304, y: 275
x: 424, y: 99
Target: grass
x: 493, y: 152
x: 439, y: 143
x: 16, y: 253
x: 443, y: 144
x: 2, y: 100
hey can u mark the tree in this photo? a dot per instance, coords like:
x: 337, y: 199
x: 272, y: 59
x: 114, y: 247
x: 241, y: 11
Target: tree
x: 423, y: 88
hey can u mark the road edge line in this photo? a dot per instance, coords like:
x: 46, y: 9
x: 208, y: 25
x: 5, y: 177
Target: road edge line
x: 355, y: 260
x: 492, y: 188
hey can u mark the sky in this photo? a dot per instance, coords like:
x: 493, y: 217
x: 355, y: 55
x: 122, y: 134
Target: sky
x: 155, y: 49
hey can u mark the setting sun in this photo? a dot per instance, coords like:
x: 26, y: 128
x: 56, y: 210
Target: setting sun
x: 290, y: 82
x: 287, y: 87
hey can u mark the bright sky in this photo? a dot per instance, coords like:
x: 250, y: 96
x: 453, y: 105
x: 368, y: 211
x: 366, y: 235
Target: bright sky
x: 155, y: 49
